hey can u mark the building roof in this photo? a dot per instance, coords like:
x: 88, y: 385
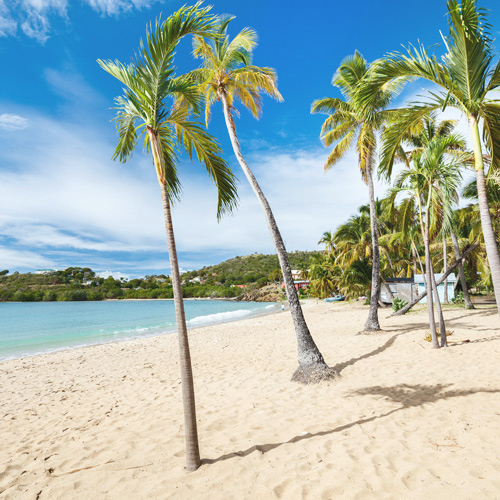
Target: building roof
x: 419, y: 278
x: 399, y: 280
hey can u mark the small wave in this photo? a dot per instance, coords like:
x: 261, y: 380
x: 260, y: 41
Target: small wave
x: 219, y: 317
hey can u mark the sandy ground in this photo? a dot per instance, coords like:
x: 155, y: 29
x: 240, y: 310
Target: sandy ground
x: 402, y: 420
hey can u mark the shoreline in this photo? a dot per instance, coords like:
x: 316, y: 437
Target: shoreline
x: 401, y: 421
x: 167, y: 331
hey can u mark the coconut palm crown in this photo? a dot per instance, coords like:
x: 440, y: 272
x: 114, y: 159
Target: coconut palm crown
x: 227, y: 69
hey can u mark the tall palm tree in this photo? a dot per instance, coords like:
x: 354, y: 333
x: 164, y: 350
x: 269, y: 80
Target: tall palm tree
x: 228, y: 76
x: 466, y: 74
x: 350, y: 124
x: 148, y: 109
x: 432, y: 182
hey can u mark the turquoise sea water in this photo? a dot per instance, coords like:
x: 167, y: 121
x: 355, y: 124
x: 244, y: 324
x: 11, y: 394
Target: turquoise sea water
x: 28, y: 328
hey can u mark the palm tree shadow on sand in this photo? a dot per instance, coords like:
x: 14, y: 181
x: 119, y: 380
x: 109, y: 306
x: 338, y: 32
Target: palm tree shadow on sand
x: 408, y: 396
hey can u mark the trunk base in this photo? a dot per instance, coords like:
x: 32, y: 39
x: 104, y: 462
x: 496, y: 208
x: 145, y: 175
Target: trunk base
x: 314, y: 373
x: 372, y: 326
x: 193, y: 467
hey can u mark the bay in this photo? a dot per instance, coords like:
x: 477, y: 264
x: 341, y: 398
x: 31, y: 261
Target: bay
x: 29, y: 328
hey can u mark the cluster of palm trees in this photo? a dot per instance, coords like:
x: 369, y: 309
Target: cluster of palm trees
x: 431, y: 153
x: 165, y: 110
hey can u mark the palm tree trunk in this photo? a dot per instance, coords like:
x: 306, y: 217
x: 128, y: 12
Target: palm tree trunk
x: 190, y: 428
x: 312, y: 367
x: 465, y: 288
x: 445, y: 265
x: 419, y: 260
x: 442, y: 326
x: 414, y: 257
x: 372, y: 323
x: 484, y: 210
x: 428, y: 282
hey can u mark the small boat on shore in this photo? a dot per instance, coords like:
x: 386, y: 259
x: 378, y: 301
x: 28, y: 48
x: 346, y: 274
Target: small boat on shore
x: 335, y: 298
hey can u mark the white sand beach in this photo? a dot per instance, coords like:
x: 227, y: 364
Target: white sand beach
x: 401, y: 421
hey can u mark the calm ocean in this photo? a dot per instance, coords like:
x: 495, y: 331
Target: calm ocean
x: 28, y: 328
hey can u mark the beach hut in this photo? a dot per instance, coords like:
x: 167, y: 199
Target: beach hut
x: 400, y: 288
x: 452, y: 279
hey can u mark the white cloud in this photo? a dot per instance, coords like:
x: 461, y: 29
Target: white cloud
x: 12, y: 122
x: 115, y: 7
x: 7, y: 25
x: 116, y: 275
x: 64, y: 193
x: 19, y: 259
x: 34, y: 16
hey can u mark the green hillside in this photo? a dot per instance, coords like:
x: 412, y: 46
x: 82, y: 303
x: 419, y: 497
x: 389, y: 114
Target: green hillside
x: 219, y: 281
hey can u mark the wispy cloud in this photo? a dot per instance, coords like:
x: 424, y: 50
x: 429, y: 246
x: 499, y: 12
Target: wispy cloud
x: 12, y: 122
x: 114, y: 7
x: 34, y: 16
x: 12, y: 259
x: 8, y: 26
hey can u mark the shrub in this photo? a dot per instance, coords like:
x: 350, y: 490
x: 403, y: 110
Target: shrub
x: 398, y: 304
x: 459, y: 298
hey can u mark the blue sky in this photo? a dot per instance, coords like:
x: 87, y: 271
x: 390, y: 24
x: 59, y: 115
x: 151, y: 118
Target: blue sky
x: 64, y: 202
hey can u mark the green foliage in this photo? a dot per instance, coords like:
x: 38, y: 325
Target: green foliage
x: 4, y: 272
x: 398, y: 304
x: 459, y: 298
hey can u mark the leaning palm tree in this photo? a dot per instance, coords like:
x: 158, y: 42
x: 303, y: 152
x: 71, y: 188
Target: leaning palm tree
x: 228, y: 76
x: 467, y: 76
x: 350, y: 124
x: 148, y: 108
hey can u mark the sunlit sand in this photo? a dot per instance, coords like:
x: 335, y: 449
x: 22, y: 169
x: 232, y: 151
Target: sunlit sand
x: 402, y: 420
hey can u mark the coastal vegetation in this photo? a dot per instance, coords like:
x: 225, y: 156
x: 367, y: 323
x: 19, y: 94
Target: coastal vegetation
x: 466, y: 76
x: 230, y: 279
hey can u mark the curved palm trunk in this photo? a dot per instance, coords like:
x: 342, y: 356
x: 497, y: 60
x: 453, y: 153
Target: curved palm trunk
x: 445, y: 265
x: 312, y: 367
x: 372, y: 323
x: 190, y: 427
x: 465, y: 288
x: 484, y: 210
x: 428, y: 282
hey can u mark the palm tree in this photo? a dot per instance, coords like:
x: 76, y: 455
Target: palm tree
x: 349, y: 124
x: 353, y: 240
x: 148, y: 108
x: 228, y: 76
x: 432, y: 182
x: 467, y: 76
x: 328, y: 241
